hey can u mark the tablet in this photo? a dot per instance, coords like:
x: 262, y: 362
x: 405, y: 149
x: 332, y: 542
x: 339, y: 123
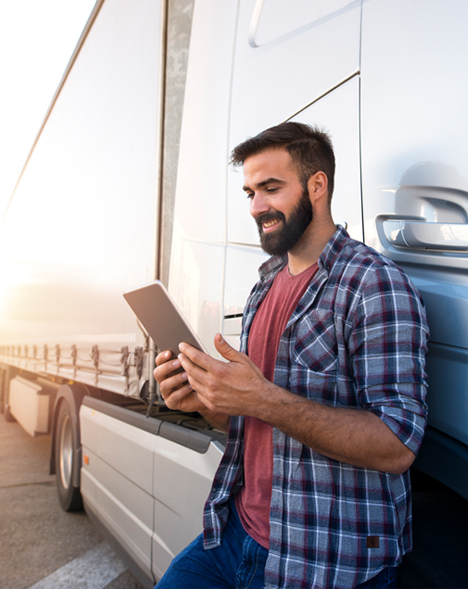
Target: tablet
x: 160, y: 316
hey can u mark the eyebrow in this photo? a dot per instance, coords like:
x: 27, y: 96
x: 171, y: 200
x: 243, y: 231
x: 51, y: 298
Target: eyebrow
x: 264, y: 183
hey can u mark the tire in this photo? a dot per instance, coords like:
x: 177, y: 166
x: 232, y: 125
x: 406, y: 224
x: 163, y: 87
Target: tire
x: 65, y: 459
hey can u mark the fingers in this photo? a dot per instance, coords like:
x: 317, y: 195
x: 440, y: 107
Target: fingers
x: 226, y: 351
x: 190, y: 366
x: 173, y: 383
x: 164, y: 367
x: 205, y: 372
x: 175, y: 395
x: 195, y: 356
x: 163, y: 357
x: 174, y: 386
x: 169, y: 373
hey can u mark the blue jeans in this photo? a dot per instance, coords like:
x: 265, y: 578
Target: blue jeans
x: 386, y: 579
x: 239, y: 559
x: 238, y: 562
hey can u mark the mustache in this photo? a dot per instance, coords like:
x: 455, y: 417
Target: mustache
x: 265, y: 217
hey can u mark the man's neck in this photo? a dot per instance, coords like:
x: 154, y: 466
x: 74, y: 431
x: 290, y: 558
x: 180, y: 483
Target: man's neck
x: 310, y: 246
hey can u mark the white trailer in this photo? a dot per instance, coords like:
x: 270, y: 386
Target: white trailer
x: 128, y: 181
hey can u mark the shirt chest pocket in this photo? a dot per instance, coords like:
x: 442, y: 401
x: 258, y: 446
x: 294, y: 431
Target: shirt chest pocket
x: 313, y: 370
x: 314, y: 344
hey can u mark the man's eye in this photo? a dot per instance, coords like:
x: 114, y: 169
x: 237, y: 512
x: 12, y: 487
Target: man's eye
x: 272, y: 189
x: 249, y: 195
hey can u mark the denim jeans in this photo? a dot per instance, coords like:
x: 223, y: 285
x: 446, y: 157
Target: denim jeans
x: 386, y: 579
x: 238, y: 562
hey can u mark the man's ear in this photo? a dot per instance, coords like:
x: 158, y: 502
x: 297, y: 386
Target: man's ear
x: 318, y: 187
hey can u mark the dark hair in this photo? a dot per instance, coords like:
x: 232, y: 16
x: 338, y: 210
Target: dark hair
x: 311, y: 150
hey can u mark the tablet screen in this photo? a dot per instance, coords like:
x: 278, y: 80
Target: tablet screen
x: 159, y: 315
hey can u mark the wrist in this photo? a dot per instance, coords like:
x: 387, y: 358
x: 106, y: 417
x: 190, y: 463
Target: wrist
x: 271, y: 404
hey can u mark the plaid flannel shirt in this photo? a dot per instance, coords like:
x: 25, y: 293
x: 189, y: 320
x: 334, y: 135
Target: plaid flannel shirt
x: 358, y: 338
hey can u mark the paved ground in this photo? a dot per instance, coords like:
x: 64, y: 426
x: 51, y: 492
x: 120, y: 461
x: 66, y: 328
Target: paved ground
x: 41, y: 546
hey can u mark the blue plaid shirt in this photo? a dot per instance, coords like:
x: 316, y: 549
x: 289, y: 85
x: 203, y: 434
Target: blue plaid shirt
x: 358, y: 338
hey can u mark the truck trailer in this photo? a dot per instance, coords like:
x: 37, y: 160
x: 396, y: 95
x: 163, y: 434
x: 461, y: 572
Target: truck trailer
x: 128, y: 181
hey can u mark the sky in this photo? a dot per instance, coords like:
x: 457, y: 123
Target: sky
x: 37, y: 39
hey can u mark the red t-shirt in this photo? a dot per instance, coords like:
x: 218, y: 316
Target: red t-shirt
x: 254, y: 498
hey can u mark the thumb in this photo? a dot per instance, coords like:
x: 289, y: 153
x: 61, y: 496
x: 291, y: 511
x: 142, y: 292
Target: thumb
x: 224, y: 348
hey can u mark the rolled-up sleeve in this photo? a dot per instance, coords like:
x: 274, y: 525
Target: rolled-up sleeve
x: 388, y: 348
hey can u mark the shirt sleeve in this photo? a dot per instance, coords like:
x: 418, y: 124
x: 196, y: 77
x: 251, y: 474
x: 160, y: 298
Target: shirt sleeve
x: 388, y: 347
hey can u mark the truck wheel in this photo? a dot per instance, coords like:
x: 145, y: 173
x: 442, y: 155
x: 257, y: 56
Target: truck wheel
x: 65, y: 457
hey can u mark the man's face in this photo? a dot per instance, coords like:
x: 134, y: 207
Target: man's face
x: 278, y: 202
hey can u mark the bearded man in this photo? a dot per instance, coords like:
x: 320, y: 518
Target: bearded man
x: 324, y: 404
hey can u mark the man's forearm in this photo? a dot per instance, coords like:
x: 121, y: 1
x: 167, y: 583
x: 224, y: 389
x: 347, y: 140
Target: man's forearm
x: 353, y: 436
x: 238, y: 387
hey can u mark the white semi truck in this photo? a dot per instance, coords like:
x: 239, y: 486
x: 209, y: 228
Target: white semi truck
x: 128, y: 181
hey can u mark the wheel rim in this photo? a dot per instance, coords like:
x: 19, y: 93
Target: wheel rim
x: 66, y: 452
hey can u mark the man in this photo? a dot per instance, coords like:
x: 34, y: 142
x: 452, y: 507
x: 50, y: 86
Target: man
x: 324, y: 404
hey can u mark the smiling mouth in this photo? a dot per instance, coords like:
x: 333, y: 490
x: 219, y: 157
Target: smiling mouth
x: 270, y: 224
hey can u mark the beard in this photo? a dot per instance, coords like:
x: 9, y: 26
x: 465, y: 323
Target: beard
x: 283, y: 240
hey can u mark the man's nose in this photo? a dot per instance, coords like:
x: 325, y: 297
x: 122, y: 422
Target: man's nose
x: 258, y: 205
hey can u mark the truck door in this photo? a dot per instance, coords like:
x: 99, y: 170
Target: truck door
x: 415, y: 192
x: 145, y: 480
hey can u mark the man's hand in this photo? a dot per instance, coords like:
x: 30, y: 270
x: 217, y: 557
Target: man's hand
x: 175, y: 389
x: 233, y: 388
x: 179, y: 394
